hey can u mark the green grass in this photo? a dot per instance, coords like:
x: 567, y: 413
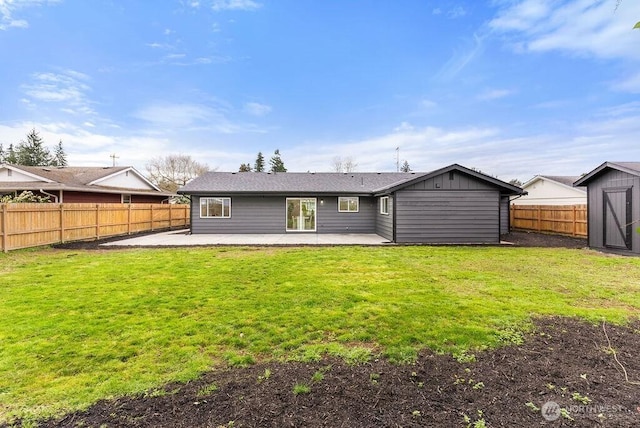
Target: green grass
x: 77, y: 326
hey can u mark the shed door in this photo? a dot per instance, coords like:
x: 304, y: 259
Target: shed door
x: 617, y: 218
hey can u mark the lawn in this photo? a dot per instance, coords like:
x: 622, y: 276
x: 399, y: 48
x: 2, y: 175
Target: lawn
x: 77, y: 326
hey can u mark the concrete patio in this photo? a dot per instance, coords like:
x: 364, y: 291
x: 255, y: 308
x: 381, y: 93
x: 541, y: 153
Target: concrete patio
x: 182, y: 238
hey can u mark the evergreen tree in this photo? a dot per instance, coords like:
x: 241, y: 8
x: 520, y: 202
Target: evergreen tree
x: 11, y: 156
x: 405, y: 167
x: 277, y: 165
x: 259, y: 165
x: 32, y: 152
x: 3, y: 155
x: 59, y: 156
x: 245, y: 167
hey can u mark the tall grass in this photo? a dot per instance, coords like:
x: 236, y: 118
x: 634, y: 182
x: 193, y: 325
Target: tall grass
x: 77, y: 326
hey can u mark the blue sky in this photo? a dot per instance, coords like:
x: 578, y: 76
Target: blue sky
x: 513, y: 88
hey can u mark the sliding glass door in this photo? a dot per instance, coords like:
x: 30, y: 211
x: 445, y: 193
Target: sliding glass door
x: 301, y: 214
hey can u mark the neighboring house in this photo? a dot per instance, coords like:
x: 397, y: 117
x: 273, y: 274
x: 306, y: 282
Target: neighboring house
x: 613, y: 191
x: 451, y: 205
x: 81, y: 184
x: 552, y: 190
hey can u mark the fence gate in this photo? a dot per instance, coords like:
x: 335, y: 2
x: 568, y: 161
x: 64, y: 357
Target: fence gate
x: 617, y: 221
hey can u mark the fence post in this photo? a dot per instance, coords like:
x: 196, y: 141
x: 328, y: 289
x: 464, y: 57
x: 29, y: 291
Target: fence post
x: 129, y: 220
x: 62, y: 223
x: 97, y: 221
x: 5, y: 232
x: 539, y: 218
x: 573, y: 229
x: 152, y: 223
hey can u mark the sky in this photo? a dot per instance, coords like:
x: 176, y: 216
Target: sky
x: 514, y: 88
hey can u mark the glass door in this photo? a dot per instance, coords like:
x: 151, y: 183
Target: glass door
x: 301, y: 214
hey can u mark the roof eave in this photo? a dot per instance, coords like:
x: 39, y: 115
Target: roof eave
x: 583, y: 181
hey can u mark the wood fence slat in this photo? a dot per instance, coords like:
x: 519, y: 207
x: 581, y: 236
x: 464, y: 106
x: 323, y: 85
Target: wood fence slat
x: 32, y: 225
x: 559, y: 219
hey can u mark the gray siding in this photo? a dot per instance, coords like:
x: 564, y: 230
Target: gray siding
x: 448, y: 216
x: 451, y: 181
x: 384, y: 223
x: 267, y: 214
x: 612, y: 179
x: 504, y: 215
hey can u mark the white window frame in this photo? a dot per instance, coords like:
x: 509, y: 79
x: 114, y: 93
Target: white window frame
x: 126, y: 198
x: 384, y: 205
x: 204, y: 201
x: 349, y: 198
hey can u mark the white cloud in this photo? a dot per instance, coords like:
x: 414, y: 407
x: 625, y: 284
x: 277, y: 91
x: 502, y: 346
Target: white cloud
x: 460, y: 59
x: 220, y: 5
x: 67, y: 89
x: 428, y: 104
x: 257, y: 109
x: 494, y: 94
x: 628, y: 84
x: 582, y: 27
x: 8, y: 9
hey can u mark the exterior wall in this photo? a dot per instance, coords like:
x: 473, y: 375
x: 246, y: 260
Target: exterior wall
x: 11, y: 176
x: 454, y: 180
x: 126, y: 180
x: 267, y: 214
x: 613, y: 179
x: 85, y: 197
x: 448, y: 216
x: 505, y: 227
x: 329, y: 220
x: 149, y: 199
x: 384, y: 222
x: 545, y: 192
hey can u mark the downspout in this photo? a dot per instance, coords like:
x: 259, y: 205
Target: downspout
x: 51, y: 195
x: 525, y: 193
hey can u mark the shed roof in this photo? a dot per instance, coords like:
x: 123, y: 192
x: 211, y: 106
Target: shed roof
x: 632, y: 168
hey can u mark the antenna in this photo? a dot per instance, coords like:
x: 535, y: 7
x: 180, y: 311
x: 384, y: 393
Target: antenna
x: 113, y: 158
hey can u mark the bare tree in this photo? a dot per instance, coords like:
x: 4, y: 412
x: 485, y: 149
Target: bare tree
x: 347, y: 164
x: 173, y: 171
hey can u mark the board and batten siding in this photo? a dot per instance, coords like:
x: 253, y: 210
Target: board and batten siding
x: 448, y: 216
x: 267, y: 214
x: 610, y: 180
x: 384, y: 222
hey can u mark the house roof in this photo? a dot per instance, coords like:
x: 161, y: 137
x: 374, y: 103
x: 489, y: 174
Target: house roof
x: 364, y: 183
x: 82, y: 179
x: 565, y: 180
x: 632, y: 168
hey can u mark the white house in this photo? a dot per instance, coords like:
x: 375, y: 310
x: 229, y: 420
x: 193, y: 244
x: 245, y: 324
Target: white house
x: 552, y: 190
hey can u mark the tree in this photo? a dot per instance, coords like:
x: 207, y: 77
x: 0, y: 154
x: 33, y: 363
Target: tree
x: 32, y: 152
x: 245, y: 167
x: 173, y: 171
x: 59, y: 156
x: 344, y: 165
x: 259, y: 165
x: 277, y: 165
x: 11, y: 157
x: 405, y: 167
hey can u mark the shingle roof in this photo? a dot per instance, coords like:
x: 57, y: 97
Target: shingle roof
x: 567, y: 180
x: 73, y: 178
x: 327, y: 182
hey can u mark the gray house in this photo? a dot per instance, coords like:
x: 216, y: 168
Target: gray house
x: 451, y: 205
x: 613, y: 195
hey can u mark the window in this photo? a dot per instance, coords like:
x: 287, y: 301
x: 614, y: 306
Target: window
x: 384, y: 205
x: 350, y: 204
x: 126, y: 199
x: 215, y: 207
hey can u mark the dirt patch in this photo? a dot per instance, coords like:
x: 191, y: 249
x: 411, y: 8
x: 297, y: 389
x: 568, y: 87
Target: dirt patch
x: 534, y: 239
x: 565, y: 361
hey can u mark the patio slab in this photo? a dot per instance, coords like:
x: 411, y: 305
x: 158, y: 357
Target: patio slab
x: 182, y: 238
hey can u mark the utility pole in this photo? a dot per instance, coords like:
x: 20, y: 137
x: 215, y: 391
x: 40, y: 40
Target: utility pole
x: 398, y: 159
x: 113, y: 158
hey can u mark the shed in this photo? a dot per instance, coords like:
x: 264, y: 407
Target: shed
x: 613, y: 194
x: 450, y: 205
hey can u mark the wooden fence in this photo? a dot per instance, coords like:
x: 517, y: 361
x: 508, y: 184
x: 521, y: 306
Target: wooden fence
x: 32, y: 225
x: 560, y: 219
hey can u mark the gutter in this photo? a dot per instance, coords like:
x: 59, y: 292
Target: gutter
x: 51, y: 195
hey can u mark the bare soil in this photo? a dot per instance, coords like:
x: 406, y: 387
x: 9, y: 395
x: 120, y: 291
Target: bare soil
x: 592, y: 371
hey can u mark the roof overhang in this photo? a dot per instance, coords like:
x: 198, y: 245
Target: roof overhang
x: 583, y: 181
